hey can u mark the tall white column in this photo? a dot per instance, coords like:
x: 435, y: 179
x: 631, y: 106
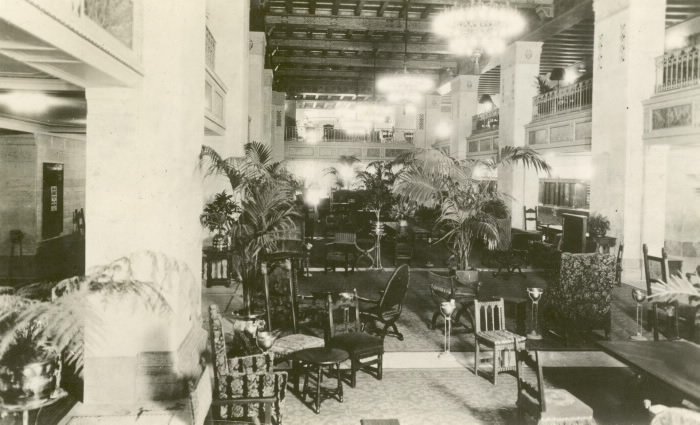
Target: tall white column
x: 256, y: 65
x: 629, y: 35
x: 464, y: 102
x: 520, y: 64
x: 655, y: 186
x: 267, y: 107
x: 232, y: 47
x: 277, y: 124
x: 144, y: 192
x: 427, y: 120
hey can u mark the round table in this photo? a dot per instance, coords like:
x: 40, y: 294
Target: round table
x: 317, y: 359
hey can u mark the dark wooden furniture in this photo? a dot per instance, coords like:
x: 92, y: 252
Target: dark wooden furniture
x: 544, y: 403
x: 316, y: 359
x: 574, y: 231
x: 672, y: 362
x: 529, y: 218
x: 341, y: 249
x: 402, y: 239
x: 489, y: 317
x: 347, y: 335
x: 446, y: 288
x: 504, y: 255
x: 218, y: 265
x: 387, y: 309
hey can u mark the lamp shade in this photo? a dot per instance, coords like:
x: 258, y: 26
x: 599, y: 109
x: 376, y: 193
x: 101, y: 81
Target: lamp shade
x: 485, y: 98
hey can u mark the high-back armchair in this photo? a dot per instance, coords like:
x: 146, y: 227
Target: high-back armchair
x: 387, y: 309
x: 244, y: 387
x: 581, y: 299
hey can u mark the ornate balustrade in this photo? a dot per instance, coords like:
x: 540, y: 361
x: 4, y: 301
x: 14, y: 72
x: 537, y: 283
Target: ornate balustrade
x: 678, y: 68
x: 486, y: 121
x: 563, y: 100
x: 327, y: 134
x: 210, y: 50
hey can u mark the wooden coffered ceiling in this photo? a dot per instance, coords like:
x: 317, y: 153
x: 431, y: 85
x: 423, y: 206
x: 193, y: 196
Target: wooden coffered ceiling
x: 333, y: 50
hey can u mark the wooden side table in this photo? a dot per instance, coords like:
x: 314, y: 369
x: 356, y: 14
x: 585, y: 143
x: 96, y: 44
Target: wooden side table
x: 604, y: 243
x: 317, y: 359
x: 218, y: 265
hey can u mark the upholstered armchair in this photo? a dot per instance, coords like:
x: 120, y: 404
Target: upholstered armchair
x: 580, y: 299
x: 244, y: 387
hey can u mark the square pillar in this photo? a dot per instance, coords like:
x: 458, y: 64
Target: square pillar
x: 520, y: 65
x: 277, y: 124
x: 144, y: 192
x: 629, y: 36
x: 267, y: 107
x: 427, y: 121
x: 465, y: 99
x: 256, y: 65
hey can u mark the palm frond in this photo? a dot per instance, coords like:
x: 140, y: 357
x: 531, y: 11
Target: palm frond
x: 676, y: 289
x: 524, y: 155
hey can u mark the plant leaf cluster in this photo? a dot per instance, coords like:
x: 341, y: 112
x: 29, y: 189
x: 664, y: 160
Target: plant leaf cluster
x: 432, y: 178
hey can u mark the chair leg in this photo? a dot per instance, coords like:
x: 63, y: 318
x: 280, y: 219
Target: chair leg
x: 306, y: 382
x: 399, y: 335
x: 495, y: 367
x: 380, y: 366
x: 317, y: 402
x: 476, y: 355
x: 353, y: 371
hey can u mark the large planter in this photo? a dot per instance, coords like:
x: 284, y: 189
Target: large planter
x: 30, y: 382
x: 220, y: 242
x: 467, y: 276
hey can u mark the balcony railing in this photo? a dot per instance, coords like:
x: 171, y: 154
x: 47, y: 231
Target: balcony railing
x: 560, y: 101
x: 329, y: 134
x: 678, y: 68
x: 210, y: 50
x: 486, y: 121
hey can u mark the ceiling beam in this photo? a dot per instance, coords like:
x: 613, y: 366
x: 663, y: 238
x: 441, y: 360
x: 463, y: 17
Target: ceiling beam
x: 358, y: 9
x: 312, y: 7
x: 424, y: 14
x: 382, y: 8
x: 325, y: 44
x: 364, y: 23
x: 336, y: 6
x: 365, y: 62
x: 320, y: 73
x: 583, y: 10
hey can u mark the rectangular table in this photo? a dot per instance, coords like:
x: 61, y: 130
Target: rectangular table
x: 674, y: 363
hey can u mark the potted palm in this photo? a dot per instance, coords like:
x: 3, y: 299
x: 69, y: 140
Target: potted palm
x: 267, y: 208
x: 377, y: 180
x: 598, y: 224
x: 218, y: 217
x: 432, y: 178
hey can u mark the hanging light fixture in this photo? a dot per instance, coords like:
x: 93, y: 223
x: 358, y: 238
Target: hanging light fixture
x: 405, y: 88
x: 478, y: 27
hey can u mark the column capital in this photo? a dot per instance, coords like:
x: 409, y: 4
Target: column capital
x: 465, y: 83
x: 522, y: 52
x: 257, y: 43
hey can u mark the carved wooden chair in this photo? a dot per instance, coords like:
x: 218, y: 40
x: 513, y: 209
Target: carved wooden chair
x: 346, y: 334
x: 387, y: 309
x: 244, y: 387
x: 489, y: 318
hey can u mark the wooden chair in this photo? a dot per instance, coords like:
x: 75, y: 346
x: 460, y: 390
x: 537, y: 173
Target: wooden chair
x: 341, y: 250
x: 244, y: 387
x: 656, y: 271
x: 296, y: 341
x: 446, y: 288
x: 348, y: 336
x: 489, y: 317
x: 403, y: 248
x: 540, y: 402
x: 529, y: 218
x: 387, y: 309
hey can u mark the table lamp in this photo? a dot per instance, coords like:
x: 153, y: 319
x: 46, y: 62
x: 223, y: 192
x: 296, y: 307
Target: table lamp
x: 639, y: 295
x: 535, y: 294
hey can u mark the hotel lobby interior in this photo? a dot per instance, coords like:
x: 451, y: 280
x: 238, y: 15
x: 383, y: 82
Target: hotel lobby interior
x: 370, y: 212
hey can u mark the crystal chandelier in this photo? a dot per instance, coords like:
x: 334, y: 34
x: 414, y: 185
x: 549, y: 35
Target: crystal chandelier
x: 403, y: 87
x: 478, y: 27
